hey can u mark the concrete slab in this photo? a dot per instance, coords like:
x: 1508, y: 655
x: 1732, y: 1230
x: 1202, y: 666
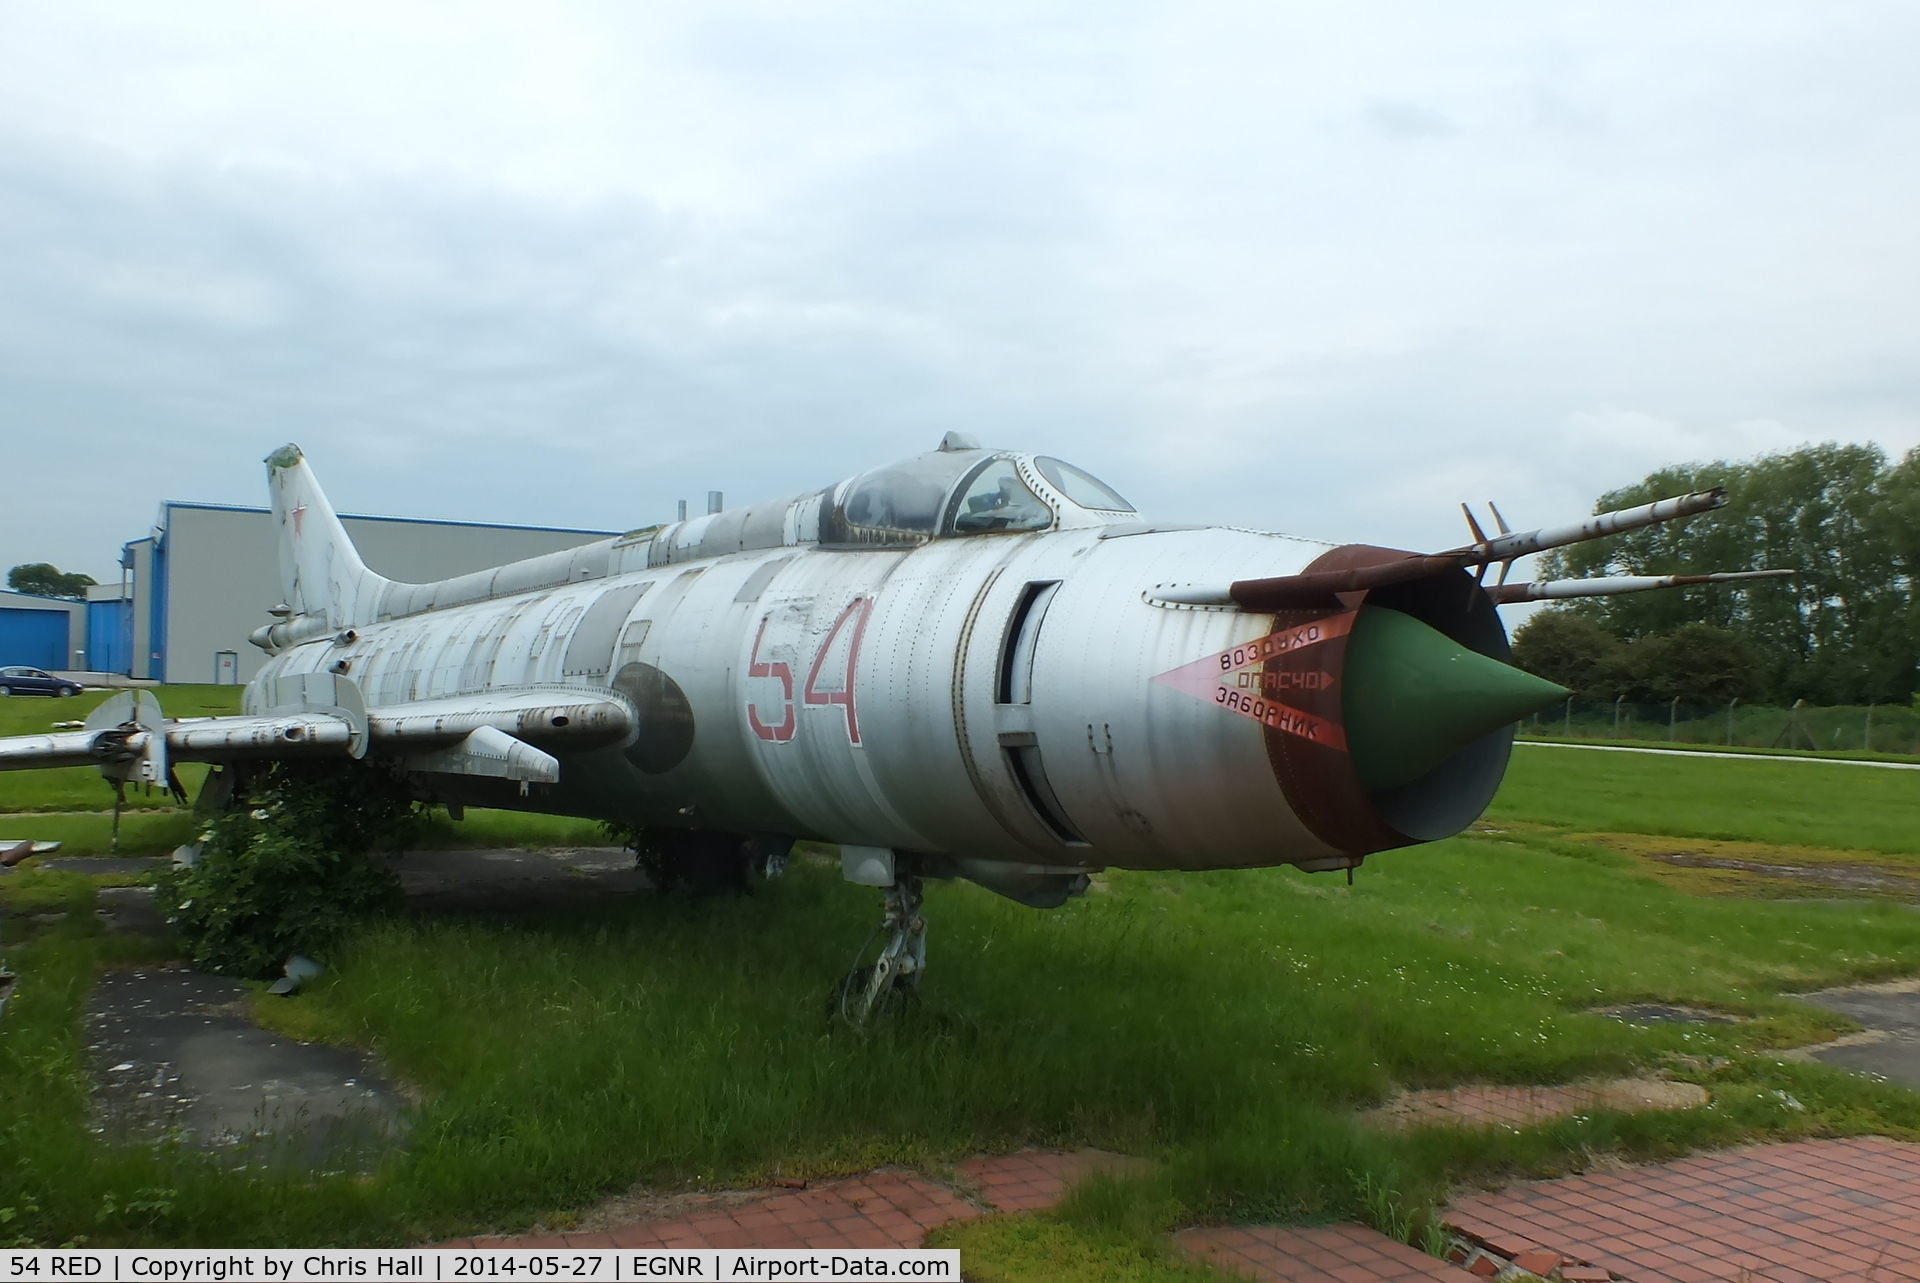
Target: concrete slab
x: 93, y: 864
x: 1890, y: 1048
x: 1664, y: 1013
x: 129, y: 911
x: 173, y: 1054
x: 516, y: 881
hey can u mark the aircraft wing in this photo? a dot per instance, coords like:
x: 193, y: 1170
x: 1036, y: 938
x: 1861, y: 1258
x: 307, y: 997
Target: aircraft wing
x: 204, y: 739
x: 507, y: 733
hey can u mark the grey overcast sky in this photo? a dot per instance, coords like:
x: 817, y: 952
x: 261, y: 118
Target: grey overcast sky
x: 1313, y: 267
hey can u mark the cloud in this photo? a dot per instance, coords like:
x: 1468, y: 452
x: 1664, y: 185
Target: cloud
x: 1322, y: 269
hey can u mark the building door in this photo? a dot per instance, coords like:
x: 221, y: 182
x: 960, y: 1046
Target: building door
x: 34, y: 638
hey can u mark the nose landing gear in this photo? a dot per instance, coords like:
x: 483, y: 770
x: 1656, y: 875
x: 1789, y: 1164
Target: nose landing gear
x: 893, y: 979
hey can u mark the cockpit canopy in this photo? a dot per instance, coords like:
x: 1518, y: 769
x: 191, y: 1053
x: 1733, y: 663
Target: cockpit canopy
x: 961, y: 490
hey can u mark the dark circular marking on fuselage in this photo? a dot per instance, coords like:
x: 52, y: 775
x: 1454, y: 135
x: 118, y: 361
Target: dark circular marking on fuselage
x: 664, y: 731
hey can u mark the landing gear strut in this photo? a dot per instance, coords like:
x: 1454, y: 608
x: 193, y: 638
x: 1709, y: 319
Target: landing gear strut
x: 894, y: 978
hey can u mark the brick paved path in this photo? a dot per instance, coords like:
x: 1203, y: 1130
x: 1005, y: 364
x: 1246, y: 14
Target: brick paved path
x: 1801, y: 1213
x: 1815, y: 1210
x: 1315, y: 1254
x: 886, y: 1208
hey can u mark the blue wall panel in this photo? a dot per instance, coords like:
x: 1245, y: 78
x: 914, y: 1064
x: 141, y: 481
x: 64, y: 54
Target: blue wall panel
x: 36, y: 638
x: 110, y: 636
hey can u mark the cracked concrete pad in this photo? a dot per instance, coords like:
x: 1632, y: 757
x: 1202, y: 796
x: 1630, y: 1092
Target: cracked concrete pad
x: 1665, y: 1013
x: 129, y: 911
x: 92, y: 864
x: 173, y: 1054
x: 516, y: 881
x: 1890, y: 1046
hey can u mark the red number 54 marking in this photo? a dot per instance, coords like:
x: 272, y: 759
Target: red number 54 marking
x: 856, y: 613
x: 757, y: 668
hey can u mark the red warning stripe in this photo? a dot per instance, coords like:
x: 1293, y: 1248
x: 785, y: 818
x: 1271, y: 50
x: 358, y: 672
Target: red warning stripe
x: 1280, y: 717
x: 1284, y: 641
x: 1236, y: 679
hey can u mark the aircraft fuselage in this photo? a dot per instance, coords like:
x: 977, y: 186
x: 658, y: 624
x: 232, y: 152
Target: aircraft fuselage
x: 919, y: 699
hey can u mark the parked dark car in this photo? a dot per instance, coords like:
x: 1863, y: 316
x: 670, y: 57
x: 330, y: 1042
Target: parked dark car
x: 32, y: 681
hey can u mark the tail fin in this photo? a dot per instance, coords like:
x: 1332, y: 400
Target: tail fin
x: 320, y: 571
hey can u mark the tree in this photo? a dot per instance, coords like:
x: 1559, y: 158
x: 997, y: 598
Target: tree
x: 44, y: 580
x: 1846, y: 629
x: 1570, y: 649
x: 297, y: 860
x: 1696, y: 663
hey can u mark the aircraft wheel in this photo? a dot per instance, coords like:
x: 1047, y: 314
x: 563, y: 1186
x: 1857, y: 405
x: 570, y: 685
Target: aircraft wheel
x: 892, y: 981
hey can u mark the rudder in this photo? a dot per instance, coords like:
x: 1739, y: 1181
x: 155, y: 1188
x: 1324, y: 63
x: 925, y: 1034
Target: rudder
x: 320, y: 570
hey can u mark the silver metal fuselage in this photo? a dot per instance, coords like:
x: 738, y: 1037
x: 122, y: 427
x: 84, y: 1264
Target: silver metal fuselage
x: 912, y: 698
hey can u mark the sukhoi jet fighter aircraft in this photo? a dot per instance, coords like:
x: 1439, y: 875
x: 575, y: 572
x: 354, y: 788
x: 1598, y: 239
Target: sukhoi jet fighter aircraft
x: 972, y: 663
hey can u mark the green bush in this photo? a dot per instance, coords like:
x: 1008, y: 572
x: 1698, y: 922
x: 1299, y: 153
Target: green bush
x: 296, y: 860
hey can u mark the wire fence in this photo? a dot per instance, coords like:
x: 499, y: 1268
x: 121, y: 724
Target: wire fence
x: 1878, y: 728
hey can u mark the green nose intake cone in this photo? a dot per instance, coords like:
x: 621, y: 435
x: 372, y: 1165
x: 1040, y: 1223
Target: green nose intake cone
x: 1413, y: 697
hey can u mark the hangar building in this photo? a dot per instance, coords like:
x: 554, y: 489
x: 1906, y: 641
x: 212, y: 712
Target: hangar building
x: 42, y: 632
x: 198, y: 586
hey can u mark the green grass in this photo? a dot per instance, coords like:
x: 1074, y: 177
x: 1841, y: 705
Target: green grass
x: 81, y: 788
x: 1731, y: 750
x: 74, y: 805
x: 1226, y: 1024
x: 157, y: 832
x: 1011, y: 1249
x: 1735, y: 799
x: 27, y: 715
x: 141, y: 832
